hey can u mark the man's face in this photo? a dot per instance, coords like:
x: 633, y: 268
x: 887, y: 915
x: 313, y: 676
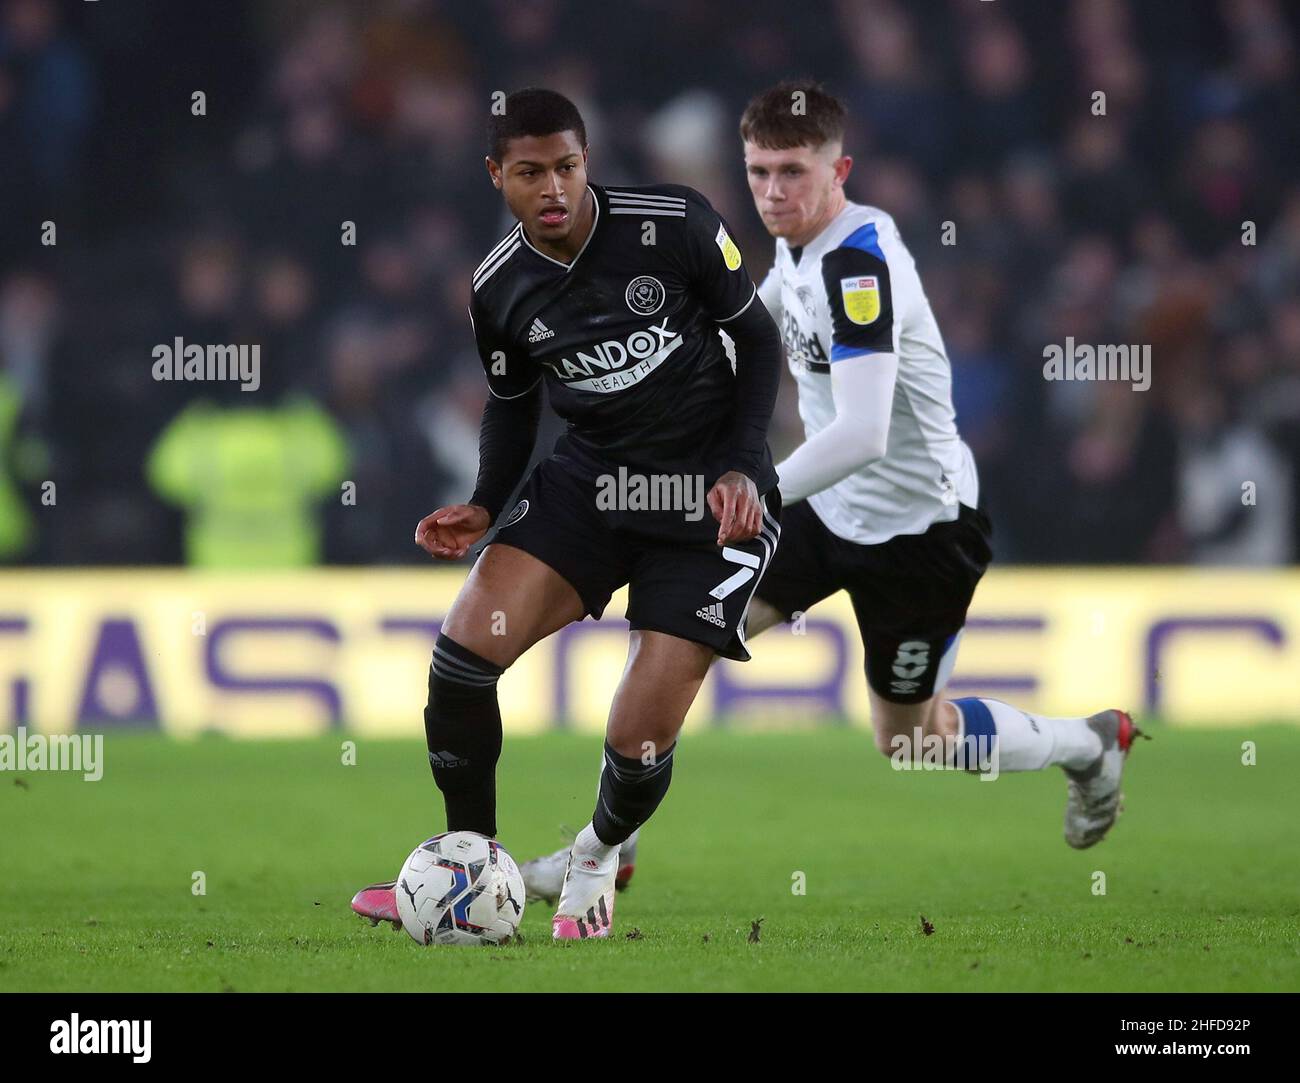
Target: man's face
x: 544, y: 178
x: 794, y: 188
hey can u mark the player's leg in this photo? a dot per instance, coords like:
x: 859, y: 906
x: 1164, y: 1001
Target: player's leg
x: 551, y: 564
x: 989, y: 736
x: 764, y: 615
x: 687, y: 602
x: 1008, y: 739
x: 906, y: 675
x: 797, y: 576
x: 544, y: 876
x: 659, y: 684
x: 553, y: 561
x: 803, y: 571
x: 509, y: 602
x: 911, y: 607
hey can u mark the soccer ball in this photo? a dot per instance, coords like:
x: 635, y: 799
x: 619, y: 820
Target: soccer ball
x: 460, y: 887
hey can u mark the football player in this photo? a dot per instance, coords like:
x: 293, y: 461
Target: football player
x: 882, y: 498
x: 614, y: 297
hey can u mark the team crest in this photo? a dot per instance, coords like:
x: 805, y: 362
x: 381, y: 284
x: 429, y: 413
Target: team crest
x: 730, y: 253
x: 861, y: 299
x: 645, y: 295
x: 520, y: 510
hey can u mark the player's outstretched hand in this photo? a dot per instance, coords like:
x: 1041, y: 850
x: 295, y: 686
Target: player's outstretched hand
x: 735, y: 504
x: 449, y: 532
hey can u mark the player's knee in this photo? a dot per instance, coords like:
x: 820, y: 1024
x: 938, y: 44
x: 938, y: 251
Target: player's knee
x: 645, y: 747
x: 458, y: 673
x: 899, y: 727
x: 485, y: 638
x: 642, y: 733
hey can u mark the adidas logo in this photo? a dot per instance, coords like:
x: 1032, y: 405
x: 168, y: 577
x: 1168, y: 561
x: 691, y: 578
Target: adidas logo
x: 713, y: 614
x: 539, y: 331
x: 446, y: 759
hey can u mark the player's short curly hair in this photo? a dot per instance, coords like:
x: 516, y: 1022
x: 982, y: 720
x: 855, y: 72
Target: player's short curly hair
x: 794, y: 113
x: 533, y: 111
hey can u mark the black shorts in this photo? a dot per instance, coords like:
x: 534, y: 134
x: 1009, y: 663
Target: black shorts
x: 910, y: 594
x: 679, y: 580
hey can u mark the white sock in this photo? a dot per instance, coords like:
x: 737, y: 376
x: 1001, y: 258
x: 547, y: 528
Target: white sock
x: 628, y: 847
x: 1075, y: 745
x: 588, y: 844
x: 1026, y: 741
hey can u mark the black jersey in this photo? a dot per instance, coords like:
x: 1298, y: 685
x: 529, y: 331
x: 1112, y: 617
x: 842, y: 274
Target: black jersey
x: 627, y: 334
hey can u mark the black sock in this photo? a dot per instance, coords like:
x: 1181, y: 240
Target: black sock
x: 462, y: 726
x: 630, y: 791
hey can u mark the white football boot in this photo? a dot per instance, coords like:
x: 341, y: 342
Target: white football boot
x: 544, y: 876
x: 1095, y: 799
x: 586, y: 907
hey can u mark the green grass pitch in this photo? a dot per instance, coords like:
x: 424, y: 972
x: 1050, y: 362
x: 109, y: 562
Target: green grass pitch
x: 1201, y: 877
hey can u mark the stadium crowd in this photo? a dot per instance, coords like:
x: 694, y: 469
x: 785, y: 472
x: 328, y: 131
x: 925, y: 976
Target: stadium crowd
x: 1166, y: 214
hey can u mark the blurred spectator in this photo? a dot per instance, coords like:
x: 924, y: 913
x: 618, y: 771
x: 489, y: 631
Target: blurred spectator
x: 46, y: 86
x: 1233, y: 488
x: 250, y: 480
x: 332, y: 205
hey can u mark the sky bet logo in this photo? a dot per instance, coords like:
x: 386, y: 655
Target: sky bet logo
x: 643, y: 350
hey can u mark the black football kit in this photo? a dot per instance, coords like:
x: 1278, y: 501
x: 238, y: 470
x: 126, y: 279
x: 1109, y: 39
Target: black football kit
x: 626, y: 337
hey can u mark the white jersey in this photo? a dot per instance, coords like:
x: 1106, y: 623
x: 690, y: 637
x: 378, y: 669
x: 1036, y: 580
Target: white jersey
x: 854, y: 289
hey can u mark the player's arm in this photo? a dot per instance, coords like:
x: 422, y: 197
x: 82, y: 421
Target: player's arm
x: 505, y: 444
x: 507, y: 433
x: 758, y: 377
x: 729, y: 296
x: 864, y: 368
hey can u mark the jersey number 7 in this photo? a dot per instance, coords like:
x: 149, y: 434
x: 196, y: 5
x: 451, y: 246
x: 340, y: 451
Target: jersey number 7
x: 735, y: 556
